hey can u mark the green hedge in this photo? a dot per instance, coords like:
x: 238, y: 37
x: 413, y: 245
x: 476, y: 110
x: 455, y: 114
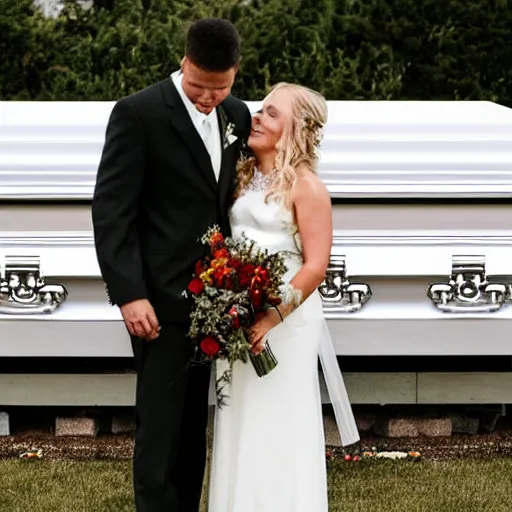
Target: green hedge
x: 347, y: 49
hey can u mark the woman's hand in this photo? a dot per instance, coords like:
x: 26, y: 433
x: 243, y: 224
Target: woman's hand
x: 258, y: 333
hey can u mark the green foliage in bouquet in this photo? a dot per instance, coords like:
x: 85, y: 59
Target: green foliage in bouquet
x: 231, y: 287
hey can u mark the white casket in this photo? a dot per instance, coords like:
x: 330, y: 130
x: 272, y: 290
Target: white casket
x: 422, y: 248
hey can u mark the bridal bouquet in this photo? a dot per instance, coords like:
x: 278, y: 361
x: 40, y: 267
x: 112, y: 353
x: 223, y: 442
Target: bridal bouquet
x: 235, y: 284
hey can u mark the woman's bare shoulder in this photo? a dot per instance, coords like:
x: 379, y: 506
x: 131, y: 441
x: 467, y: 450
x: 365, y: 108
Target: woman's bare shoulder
x: 309, y: 185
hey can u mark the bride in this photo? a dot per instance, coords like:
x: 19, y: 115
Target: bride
x: 269, y: 447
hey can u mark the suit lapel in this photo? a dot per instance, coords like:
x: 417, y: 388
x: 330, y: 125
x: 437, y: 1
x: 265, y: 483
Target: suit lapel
x: 227, y: 171
x: 223, y: 123
x: 183, y: 125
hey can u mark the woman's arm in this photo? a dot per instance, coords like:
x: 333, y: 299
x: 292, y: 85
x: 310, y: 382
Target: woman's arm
x: 313, y: 214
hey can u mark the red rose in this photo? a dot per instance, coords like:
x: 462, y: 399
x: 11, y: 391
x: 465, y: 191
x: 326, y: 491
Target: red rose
x: 210, y: 346
x: 235, y: 264
x: 221, y: 277
x: 246, y: 275
x: 235, y: 318
x: 216, y: 242
x: 200, y: 267
x: 262, y: 274
x: 247, y: 269
x: 196, y: 286
x: 221, y: 254
x: 216, y: 238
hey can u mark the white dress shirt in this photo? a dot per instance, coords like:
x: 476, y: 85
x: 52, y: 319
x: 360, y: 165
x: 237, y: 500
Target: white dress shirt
x: 209, y: 134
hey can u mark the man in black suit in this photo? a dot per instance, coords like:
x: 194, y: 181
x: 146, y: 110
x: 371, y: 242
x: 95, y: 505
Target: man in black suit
x: 167, y: 174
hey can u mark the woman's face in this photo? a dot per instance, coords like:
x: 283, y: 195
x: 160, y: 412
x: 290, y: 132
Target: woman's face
x: 269, y: 123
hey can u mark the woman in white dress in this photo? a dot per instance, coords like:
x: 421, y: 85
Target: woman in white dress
x: 269, y: 447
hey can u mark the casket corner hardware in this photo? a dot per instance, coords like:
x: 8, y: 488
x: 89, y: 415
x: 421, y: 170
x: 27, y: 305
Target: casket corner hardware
x: 23, y: 289
x: 469, y: 289
x: 338, y: 294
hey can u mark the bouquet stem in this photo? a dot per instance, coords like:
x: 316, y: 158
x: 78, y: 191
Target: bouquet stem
x: 265, y: 362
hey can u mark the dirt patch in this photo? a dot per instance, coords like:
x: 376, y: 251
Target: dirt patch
x: 457, y: 446
x: 120, y: 446
x: 110, y: 447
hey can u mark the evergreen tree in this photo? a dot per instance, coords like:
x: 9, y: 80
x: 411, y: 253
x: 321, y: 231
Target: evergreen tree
x: 346, y: 49
x: 284, y: 40
x: 109, y: 53
x: 24, y: 36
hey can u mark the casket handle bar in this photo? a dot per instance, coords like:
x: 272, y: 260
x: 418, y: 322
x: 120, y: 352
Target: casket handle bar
x: 338, y: 294
x: 23, y: 290
x: 469, y: 289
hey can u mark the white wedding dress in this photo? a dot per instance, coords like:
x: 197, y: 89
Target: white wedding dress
x: 269, y: 447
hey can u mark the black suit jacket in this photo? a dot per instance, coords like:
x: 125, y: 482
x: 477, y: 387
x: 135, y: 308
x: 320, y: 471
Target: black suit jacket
x: 156, y: 194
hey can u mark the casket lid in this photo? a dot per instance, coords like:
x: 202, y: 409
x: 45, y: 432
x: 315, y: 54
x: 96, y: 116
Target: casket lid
x: 371, y: 149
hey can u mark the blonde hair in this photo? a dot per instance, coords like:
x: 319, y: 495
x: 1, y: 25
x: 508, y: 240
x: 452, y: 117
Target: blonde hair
x: 298, y: 146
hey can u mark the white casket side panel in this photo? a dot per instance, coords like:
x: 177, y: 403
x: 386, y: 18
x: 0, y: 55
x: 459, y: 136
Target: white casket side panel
x: 374, y: 218
x: 398, y: 319
x: 380, y: 149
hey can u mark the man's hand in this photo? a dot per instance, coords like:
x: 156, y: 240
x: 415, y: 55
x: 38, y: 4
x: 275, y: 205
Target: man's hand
x: 140, y: 319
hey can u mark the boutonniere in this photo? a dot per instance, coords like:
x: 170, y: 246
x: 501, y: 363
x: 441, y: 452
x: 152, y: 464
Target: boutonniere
x: 229, y: 136
x: 229, y: 129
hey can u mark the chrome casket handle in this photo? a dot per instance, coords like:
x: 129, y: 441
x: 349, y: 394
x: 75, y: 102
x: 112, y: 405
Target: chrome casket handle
x: 468, y: 289
x: 23, y: 289
x: 338, y: 294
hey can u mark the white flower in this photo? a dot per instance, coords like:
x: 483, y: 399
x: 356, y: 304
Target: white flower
x: 229, y: 136
x: 290, y: 295
x: 392, y: 455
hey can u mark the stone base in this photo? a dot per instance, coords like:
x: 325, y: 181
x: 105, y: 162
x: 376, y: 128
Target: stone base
x: 414, y: 427
x: 396, y: 427
x: 4, y: 424
x: 76, y: 427
x: 434, y: 427
x: 332, y: 436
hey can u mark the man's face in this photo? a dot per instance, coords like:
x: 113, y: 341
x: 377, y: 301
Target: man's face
x: 206, y: 89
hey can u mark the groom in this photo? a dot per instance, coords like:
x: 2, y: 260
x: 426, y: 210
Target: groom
x: 167, y: 174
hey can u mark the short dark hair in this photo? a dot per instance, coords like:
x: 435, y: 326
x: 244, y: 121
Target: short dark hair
x: 213, y: 44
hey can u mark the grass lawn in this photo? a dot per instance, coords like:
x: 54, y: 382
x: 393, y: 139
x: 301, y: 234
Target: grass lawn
x: 370, y: 486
